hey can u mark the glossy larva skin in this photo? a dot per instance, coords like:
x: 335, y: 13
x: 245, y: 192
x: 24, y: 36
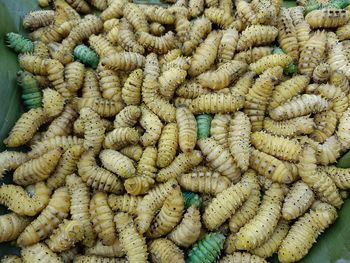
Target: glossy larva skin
x: 37, y: 19
x: 114, y: 10
x: 163, y: 250
x: 336, y: 96
x: 11, y: 225
x: 291, y: 127
x: 90, y: 87
x: 158, y: 14
x: 123, y: 61
x: 169, y: 80
x: 120, y: 137
x: 147, y: 164
x: 39, y: 253
x: 158, y: 45
x: 133, y: 13
x: 326, y: 123
x: 219, y: 129
x: 101, y: 45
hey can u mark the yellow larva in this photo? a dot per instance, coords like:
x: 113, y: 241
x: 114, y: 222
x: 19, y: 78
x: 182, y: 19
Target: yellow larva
x: 109, y: 84
x: 167, y: 145
x: 80, y: 201
x: 133, y: 151
x: 97, y: 177
x: 340, y: 176
x: 112, y: 251
x: 48, y: 220
x: 159, y: 45
x: 37, y: 170
x: 114, y: 10
x: 169, y: 215
x: 187, y: 129
x: 147, y: 164
x: 182, y: 163
x: 90, y: 87
x: 260, y: 228
x: 182, y: 25
x: 15, y: 198
x: 102, y: 218
x: 66, y: 235
x: 41, y: 50
x: 219, y: 129
x: 321, y: 73
x: 152, y: 125
x: 343, y: 32
x: 327, y: 18
x: 34, y: 64
x: 318, y: 180
x: 25, y: 127
x: 191, y: 90
x: 138, y: 185
x: 11, y: 225
x: 74, y: 75
x: 37, y: 19
x: 170, y: 80
x: 219, y: 16
x: 132, y: 241
x: 158, y: 14
x: 117, y: 163
x: 123, y: 61
x: 104, y: 107
x: 163, y: 250
x: 121, y: 137
x: 124, y: 203
x: 134, y: 14
x: 338, y: 79
x: 253, y: 54
x: 343, y: 129
x: 225, y: 203
x: 270, y: 61
x: 246, y: 12
x: 326, y: 123
x: 10, y: 160
x: 256, y: 35
x: 335, y: 95
x: 127, y: 117
x: 219, y: 158
x: 101, y: 45
x: 188, y: 230
x: 241, y: 257
x: 11, y: 259
x: 304, y: 232
x: 291, y: 127
x: 39, y: 253
x: 195, y: 7
x: 297, y: 201
x: 131, y: 92
x: 227, y: 45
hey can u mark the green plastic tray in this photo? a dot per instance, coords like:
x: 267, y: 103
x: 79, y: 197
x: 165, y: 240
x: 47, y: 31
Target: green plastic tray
x: 333, y: 246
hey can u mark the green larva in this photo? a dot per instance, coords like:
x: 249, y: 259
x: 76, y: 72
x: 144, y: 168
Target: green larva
x: 19, y: 43
x: 291, y: 68
x: 86, y: 55
x: 31, y: 93
x: 206, y: 250
x: 315, y: 5
x: 203, y: 125
x: 191, y: 198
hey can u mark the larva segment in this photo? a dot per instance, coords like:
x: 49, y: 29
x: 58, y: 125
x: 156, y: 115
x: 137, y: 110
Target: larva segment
x: 123, y: 61
x: 335, y: 95
x: 10, y: 160
x: 53, y: 102
x: 318, y: 180
x: 241, y: 257
x: 151, y: 203
x: 340, y: 176
x: 36, y: 19
x: 158, y: 14
x: 31, y: 94
x: 304, y: 232
x: 114, y: 10
x: 219, y: 129
x: 101, y: 45
x: 187, y: 129
x: 182, y: 163
x: 256, y: 35
x: 205, y: 54
x: 219, y: 16
x: 260, y: 228
x: 37, y: 170
x: 16, y: 199
x: 163, y: 250
x: 11, y: 225
x: 102, y: 218
x: 97, y: 177
x: 246, y: 12
x: 33, y: 64
x: 131, y: 240
x: 326, y: 123
x: 48, y: 220
x: 182, y: 25
x: 41, y: 50
x: 127, y: 117
x: 158, y: 45
x: 219, y: 158
x: 169, y: 215
x: 298, y: 200
x: 225, y: 203
x: 169, y: 81
x: 131, y: 92
x: 133, y: 152
x: 227, y: 45
x: 288, y: 89
x: 117, y: 163
x: 104, y: 107
x: 253, y: 54
x: 136, y: 17
x: 121, y: 137
x: 300, y: 106
x: 339, y: 79
x: 152, y: 125
x: 270, y: 61
x: 112, y: 251
x: 239, y: 139
x: 90, y: 87
x: 167, y: 145
x: 18, y: 43
x: 343, y: 129
x: 291, y: 127
x: 327, y: 18
x: 124, y: 203
x: 25, y: 127
x: 147, y: 164
x: 39, y: 253
x: 312, y: 53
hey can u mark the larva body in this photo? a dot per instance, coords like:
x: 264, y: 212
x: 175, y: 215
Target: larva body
x: 170, y: 80
x: 270, y: 61
x: 326, y: 123
x: 110, y: 85
x: 187, y: 128
x: 18, y: 43
x: 86, y: 55
x: 228, y: 45
x: 340, y: 176
x: 167, y: 145
x: 201, y: 27
x: 53, y: 102
x: 343, y: 129
x: 124, y: 203
x: 219, y: 129
x: 90, y: 85
x: 241, y: 257
x: 101, y: 45
x: 127, y: 117
x: 159, y: 14
x: 133, y: 13
x: 158, y: 45
x: 291, y: 127
x: 123, y: 61
x: 11, y: 225
x: 131, y: 92
x: 121, y: 137
x: 246, y: 12
x: 11, y: 259
x: 114, y: 10
x: 10, y: 160
x: 191, y: 90
x: 117, y: 163
x: 256, y: 35
x: 163, y: 250
x: 152, y: 125
x: 219, y: 16
x: 133, y: 152
x: 147, y: 164
x: 97, y: 259
x: 254, y: 54
x: 99, y: 249
x: 203, y: 125
x: 327, y: 18
x: 104, y: 107
x: 39, y: 253
x: 31, y: 94
x: 37, y: 19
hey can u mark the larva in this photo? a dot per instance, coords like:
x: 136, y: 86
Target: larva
x: 191, y: 199
x: 90, y: 85
x: 53, y: 102
x: 66, y: 235
x: 312, y: 53
x: 288, y: 89
x: 187, y: 129
x: 304, y: 232
x: 207, y: 249
x: 327, y: 18
x: 123, y: 61
x: 110, y: 85
x: 41, y: 50
x: 246, y: 12
x: 297, y: 201
x: 10, y: 160
x: 104, y: 107
x: 253, y: 54
x: 124, y: 203
x: 343, y: 128
x: 39, y: 253
x: 48, y: 220
x: 182, y: 163
x: 101, y: 45
x: 147, y: 164
x: 112, y: 251
x: 256, y: 35
x: 270, y: 61
x: 97, y: 177
x: 219, y: 129
x: 80, y: 201
x: 31, y: 94
x: 243, y: 84
x: 121, y: 137
x: 326, y: 123
x: 241, y: 257
x: 270, y: 167
x: 266, y: 12
x: 203, y: 125
x: 170, y: 80
x: 340, y: 176
x: 164, y: 250
x: 11, y: 259
x: 33, y: 64
x: 205, y: 54
x: 114, y: 10
x: 37, y: 170
x: 182, y: 25
x: 102, y: 218
x: 216, y: 103
x: 138, y: 185
x: 152, y: 67
x: 225, y: 203
x: 167, y: 145
x: 219, y: 16
x: 318, y: 180
x: 195, y: 7
x: 343, y: 32
x: 11, y: 225
x: 133, y: 152
x: 117, y: 163
x: 80, y: 5
x: 25, y: 127
x: 338, y: 79
x: 18, y: 43
x: 258, y: 229
x: 37, y: 19
x: 302, y: 28
x: 227, y: 45
x: 86, y: 55
x: 152, y: 125
x: 191, y: 90
x: 299, y: 106
x: 64, y: 142
x: 100, y: 4
x: 291, y: 127
x: 158, y: 14
x: 134, y: 14
x: 16, y: 199
x: 159, y: 45
x: 321, y: 73
x: 127, y: 117
x: 131, y: 92
x: 132, y: 241
x: 335, y: 95
x: 169, y: 215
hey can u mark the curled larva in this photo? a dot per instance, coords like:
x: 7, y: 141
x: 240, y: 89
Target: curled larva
x: 25, y: 127
x: 127, y: 117
x: 133, y: 242
x: 327, y: 18
x: 86, y: 55
x: 240, y: 257
x: 326, y: 123
x: 321, y: 73
x: 170, y: 80
x: 104, y: 107
x: 102, y: 218
x: 117, y: 163
x: 80, y: 201
x: 112, y: 251
x: 131, y: 92
x: 304, y: 232
x: 137, y: 18
x: 270, y: 61
x: 260, y: 228
x: 16, y: 199
x: 219, y: 129
x: 152, y: 125
x: 335, y: 95
x: 167, y: 145
x: 138, y: 185
x: 48, y: 220
x: 191, y: 90
x: 225, y: 203
x: 297, y: 201
x: 123, y: 61
x: 124, y: 203
x: 182, y: 163
x: 163, y: 250
x: 10, y: 160
x: 37, y: 170
x: 121, y: 137
x: 187, y: 129
x: 158, y: 14
x: 11, y: 225
x: 219, y: 16
x: 39, y: 253
x: 256, y: 35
